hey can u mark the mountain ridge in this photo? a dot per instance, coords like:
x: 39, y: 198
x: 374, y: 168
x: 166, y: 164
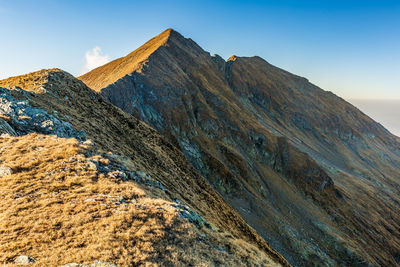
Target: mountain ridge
x: 264, y: 137
x: 125, y: 159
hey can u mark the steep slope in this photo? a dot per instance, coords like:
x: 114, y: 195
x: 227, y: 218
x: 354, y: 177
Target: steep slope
x: 125, y: 196
x: 317, y: 178
x: 132, y: 62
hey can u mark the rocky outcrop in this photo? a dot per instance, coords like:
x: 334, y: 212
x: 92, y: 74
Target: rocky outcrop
x: 18, y: 117
x: 306, y: 169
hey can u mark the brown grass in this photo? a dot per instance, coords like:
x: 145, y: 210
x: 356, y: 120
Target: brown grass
x: 57, y: 210
x: 36, y: 84
x: 138, y: 144
x: 125, y: 65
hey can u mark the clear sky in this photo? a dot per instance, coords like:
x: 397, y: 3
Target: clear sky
x: 349, y: 47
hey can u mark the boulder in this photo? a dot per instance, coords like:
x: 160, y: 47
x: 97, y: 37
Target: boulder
x: 24, y: 260
x: 4, y: 171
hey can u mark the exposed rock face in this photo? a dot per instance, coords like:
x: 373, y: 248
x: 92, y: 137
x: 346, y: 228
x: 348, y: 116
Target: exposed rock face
x: 5, y: 128
x: 17, y: 117
x: 313, y: 175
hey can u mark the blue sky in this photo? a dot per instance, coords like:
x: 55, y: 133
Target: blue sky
x: 349, y: 47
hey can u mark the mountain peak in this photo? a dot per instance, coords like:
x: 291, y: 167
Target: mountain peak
x: 134, y: 61
x: 171, y: 32
x: 166, y: 35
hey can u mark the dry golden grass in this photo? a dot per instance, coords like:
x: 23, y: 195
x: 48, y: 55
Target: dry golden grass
x: 128, y: 64
x: 25, y: 81
x: 135, y: 143
x: 58, y: 210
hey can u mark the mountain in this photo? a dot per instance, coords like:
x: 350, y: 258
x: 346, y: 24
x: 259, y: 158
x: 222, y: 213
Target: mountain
x: 313, y: 175
x: 84, y: 184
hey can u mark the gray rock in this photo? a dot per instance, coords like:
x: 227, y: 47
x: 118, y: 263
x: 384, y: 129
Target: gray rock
x: 4, y: 171
x: 5, y: 135
x: 88, y: 143
x: 95, y: 264
x: 191, y: 216
x: 141, y: 174
x: 5, y: 128
x: 25, y: 119
x: 91, y: 165
x: 24, y: 260
x: 103, y: 264
x: 159, y: 185
x: 122, y: 175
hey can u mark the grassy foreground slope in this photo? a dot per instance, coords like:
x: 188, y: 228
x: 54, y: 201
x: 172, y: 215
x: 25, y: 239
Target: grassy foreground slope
x: 127, y: 197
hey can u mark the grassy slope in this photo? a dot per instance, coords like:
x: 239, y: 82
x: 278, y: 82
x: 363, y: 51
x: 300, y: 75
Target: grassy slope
x: 53, y: 211
x: 58, y: 210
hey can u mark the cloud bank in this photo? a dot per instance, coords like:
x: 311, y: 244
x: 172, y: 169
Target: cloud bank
x: 94, y: 58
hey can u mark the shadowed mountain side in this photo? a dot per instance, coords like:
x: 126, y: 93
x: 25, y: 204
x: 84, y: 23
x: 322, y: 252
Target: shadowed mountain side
x: 317, y: 178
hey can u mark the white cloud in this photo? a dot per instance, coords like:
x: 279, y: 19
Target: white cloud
x: 94, y: 58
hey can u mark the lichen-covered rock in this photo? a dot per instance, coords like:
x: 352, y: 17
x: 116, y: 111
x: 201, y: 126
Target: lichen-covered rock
x: 191, y: 216
x: 24, y: 119
x: 95, y: 264
x: 73, y: 264
x: 102, y: 264
x: 4, y: 171
x: 92, y: 165
x: 24, y: 260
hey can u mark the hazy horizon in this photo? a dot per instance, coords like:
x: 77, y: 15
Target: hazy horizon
x: 384, y: 111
